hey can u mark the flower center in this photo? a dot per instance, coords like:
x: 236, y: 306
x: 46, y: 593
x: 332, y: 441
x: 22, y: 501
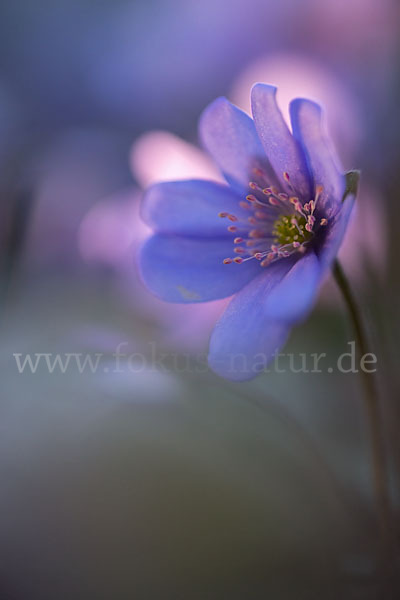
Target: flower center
x: 289, y: 229
x: 278, y: 224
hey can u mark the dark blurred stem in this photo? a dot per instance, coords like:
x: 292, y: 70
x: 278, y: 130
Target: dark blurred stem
x: 20, y: 212
x: 374, y: 417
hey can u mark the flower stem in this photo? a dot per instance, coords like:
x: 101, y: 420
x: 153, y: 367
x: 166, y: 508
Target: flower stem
x: 373, y: 413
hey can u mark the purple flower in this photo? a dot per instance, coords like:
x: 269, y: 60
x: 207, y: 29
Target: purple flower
x: 268, y: 237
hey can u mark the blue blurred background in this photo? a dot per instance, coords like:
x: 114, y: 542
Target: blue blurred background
x: 158, y: 479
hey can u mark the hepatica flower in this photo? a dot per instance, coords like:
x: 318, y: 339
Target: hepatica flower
x: 267, y: 237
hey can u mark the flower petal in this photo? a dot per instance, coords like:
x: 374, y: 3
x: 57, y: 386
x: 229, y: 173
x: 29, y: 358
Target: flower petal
x: 283, y: 151
x: 308, y: 128
x: 293, y: 297
x: 245, y: 339
x: 336, y: 233
x: 230, y: 137
x: 191, y: 208
x: 179, y: 269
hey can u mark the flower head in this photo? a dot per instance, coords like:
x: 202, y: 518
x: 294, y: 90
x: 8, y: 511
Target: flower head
x: 267, y: 237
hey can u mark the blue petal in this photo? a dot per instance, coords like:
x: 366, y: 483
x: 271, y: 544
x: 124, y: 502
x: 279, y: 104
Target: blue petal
x: 179, y: 269
x: 191, y: 208
x: 306, y: 117
x: 283, y: 151
x: 292, y: 299
x: 336, y: 233
x: 245, y: 339
x: 230, y: 137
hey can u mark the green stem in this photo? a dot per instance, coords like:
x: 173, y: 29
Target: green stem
x: 374, y: 417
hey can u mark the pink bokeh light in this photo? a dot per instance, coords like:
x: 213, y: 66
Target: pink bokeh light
x: 163, y: 156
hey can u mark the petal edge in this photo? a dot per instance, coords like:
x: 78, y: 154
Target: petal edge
x: 229, y: 136
x: 308, y: 129
x: 185, y: 270
x: 282, y: 149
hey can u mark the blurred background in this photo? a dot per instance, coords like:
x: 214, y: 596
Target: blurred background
x: 156, y: 479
